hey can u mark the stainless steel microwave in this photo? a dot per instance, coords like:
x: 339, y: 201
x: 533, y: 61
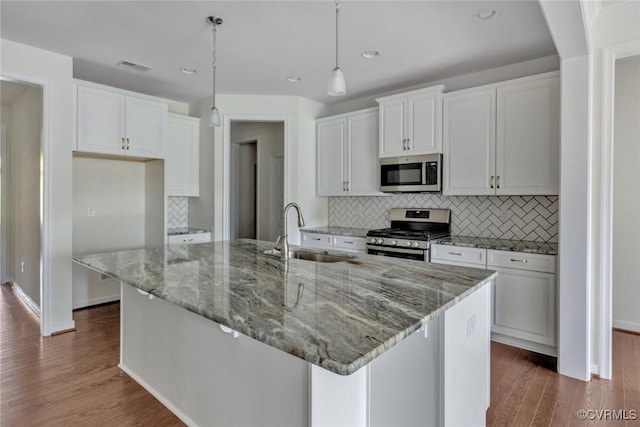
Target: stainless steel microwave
x: 411, y: 174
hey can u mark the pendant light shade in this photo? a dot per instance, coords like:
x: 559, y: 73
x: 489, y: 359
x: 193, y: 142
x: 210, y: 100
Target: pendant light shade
x: 337, y: 84
x: 213, y: 119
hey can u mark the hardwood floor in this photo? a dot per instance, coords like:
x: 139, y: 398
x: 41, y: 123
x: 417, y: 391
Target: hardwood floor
x: 73, y: 379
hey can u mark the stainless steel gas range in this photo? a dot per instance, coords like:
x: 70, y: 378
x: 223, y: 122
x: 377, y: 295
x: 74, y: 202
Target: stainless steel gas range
x: 410, y: 233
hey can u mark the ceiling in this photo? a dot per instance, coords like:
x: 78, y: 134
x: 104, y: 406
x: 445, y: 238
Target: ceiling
x: 261, y: 43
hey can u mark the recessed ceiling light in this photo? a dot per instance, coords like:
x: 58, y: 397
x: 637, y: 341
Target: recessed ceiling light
x: 485, y: 14
x: 189, y: 71
x: 294, y: 79
x: 370, y: 54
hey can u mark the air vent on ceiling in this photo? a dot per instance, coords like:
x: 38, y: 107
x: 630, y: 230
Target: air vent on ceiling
x: 134, y: 66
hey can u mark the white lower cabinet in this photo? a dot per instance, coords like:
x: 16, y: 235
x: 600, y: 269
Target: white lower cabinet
x: 335, y: 242
x: 524, y: 300
x: 523, y: 295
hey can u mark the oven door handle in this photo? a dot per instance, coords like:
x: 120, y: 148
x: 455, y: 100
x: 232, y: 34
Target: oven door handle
x: 397, y: 250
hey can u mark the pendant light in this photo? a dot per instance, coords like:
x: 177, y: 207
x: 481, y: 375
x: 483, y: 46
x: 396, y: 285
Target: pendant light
x: 214, y: 115
x: 337, y: 84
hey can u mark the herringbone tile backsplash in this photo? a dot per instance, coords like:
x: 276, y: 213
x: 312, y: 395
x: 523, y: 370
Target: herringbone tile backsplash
x: 533, y: 218
x: 178, y: 212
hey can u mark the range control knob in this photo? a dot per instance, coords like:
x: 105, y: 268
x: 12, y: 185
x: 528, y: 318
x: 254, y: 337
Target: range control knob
x: 416, y: 244
x: 394, y: 242
x: 409, y: 244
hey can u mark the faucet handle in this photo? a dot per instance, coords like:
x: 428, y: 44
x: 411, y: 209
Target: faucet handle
x: 278, y: 245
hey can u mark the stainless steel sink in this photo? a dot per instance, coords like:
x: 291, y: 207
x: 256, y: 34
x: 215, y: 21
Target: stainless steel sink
x: 315, y: 256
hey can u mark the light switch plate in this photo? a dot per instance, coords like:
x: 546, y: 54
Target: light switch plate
x: 471, y: 325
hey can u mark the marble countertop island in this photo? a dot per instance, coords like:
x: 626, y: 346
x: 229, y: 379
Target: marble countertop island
x: 338, y: 316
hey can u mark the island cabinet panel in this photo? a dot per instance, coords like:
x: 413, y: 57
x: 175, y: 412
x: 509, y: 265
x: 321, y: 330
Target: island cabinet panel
x: 204, y: 375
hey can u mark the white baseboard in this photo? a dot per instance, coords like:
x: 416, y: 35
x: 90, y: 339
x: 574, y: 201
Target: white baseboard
x: 527, y: 345
x: 96, y: 301
x: 184, y: 418
x: 25, y: 298
x: 64, y: 326
x: 595, y: 369
x: 627, y: 326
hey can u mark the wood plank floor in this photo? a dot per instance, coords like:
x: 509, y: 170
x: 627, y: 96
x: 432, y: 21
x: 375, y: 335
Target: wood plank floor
x: 73, y: 379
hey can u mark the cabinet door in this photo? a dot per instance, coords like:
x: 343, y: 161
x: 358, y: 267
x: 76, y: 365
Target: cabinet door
x: 392, y: 128
x: 182, y: 158
x: 528, y: 138
x: 363, y: 175
x: 422, y: 124
x: 524, y: 305
x: 145, y: 128
x: 331, y: 157
x: 469, y: 143
x: 101, y: 117
x: 316, y: 240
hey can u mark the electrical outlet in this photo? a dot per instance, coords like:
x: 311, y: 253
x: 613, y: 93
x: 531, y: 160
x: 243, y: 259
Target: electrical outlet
x: 91, y: 211
x: 471, y: 325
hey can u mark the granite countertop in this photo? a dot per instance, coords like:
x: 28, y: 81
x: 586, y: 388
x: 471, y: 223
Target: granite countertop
x: 185, y: 230
x: 338, y: 231
x: 338, y: 316
x: 543, y: 248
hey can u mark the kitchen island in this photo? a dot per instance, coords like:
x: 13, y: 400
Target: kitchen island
x: 224, y: 334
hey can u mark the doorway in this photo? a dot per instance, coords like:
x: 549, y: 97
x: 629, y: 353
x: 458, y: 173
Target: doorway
x: 21, y: 190
x: 256, y: 179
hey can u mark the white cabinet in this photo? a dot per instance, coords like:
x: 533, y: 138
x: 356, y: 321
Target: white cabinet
x: 115, y: 124
x: 347, y: 158
x: 502, y: 139
x: 335, y: 242
x: 524, y: 300
x: 186, y: 239
x: 182, y: 156
x: 410, y: 122
x: 458, y: 255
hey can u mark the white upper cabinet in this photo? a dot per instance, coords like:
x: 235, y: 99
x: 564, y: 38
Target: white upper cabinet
x: 528, y: 137
x: 469, y: 142
x: 347, y: 154
x: 410, y: 122
x: 503, y: 139
x: 117, y: 124
x: 182, y: 156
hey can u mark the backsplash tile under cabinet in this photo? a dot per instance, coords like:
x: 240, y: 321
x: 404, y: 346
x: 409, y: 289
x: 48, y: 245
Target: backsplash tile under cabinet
x: 177, y: 212
x: 533, y: 218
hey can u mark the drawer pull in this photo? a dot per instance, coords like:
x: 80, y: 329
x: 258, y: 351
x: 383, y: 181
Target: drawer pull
x: 316, y: 238
x: 456, y: 253
x: 188, y: 240
x: 519, y: 260
x: 351, y: 243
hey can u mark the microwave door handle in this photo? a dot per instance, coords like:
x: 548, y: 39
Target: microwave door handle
x: 424, y: 173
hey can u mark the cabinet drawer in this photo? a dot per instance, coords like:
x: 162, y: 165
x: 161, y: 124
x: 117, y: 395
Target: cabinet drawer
x: 474, y: 256
x: 349, y: 243
x: 316, y: 240
x: 522, y: 261
x: 182, y: 239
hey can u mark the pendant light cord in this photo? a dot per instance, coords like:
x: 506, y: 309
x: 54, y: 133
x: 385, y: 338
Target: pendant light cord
x: 337, y: 16
x: 214, y: 64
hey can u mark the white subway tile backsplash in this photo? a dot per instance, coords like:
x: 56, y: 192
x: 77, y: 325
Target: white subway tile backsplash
x: 532, y: 218
x: 178, y: 212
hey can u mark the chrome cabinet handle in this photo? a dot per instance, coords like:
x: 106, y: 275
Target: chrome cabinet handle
x: 122, y: 142
x: 348, y: 242
x: 456, y: 253
x: 498, y: 181
x: 127, y: 143
x: 491, y: 182
x: 316, y: 238
x: 348, y: 186
x: 519, y: 260
x: 408, y: 141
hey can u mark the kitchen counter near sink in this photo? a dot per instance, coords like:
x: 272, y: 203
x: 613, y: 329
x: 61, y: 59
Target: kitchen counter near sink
x: 339, y: 316
x: 543, y: 248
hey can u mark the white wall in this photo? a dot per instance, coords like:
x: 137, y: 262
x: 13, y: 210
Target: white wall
x: 23, y: 191
x: 206, y: 211
x: 271, y: 144
x: 55, y: 72
x: 626, y: 195
x: 4, y: 129
x: 616, y: 25
x: 116, y: 190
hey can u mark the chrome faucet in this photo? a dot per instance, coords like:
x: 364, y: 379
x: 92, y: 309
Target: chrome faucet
x: 282, y: 243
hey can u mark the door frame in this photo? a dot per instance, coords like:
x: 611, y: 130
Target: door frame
x: 250, y: 140
x: 45, y: 196
x: 610, y: 55
x: 226, y: 158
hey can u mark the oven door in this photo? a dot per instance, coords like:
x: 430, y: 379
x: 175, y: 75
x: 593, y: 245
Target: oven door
x: 405, y: 253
